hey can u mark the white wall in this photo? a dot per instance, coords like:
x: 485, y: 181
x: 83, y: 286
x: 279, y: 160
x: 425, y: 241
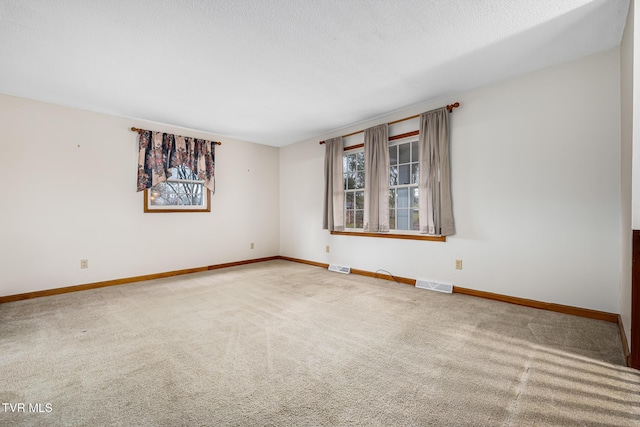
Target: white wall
x: 536, y: 189
x: 68, y: 193
x: 536, y: 179
x: 627, y: 143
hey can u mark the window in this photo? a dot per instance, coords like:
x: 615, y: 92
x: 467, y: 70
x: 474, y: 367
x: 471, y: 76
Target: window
x: 183, y: 191
x: 353, y: 169
x: 404, y: 222
x: 407, y: 205
x: 403, y: 186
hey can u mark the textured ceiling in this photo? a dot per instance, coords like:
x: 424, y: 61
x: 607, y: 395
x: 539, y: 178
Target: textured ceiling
x: 281, y: 71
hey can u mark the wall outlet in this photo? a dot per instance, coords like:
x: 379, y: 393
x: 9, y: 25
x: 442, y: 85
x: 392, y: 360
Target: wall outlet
x: 327, y: 249
x: 84, y: 263
x: 458, y: 264
x: 252, y: 245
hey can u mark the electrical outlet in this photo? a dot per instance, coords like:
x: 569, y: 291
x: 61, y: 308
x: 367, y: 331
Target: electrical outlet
x: 458, y: 264
x: 252, y: 245
x: 327, y: 249
x: 84, y: 263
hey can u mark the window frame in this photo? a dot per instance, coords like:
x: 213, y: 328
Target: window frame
x: 411, y: 208
x: 404, y: 236
x: 397, y: 234
x: 204, y: 207
x: 354, y: 190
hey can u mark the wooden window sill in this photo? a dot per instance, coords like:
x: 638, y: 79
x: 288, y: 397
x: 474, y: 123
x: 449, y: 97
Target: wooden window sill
x: 392, y: 235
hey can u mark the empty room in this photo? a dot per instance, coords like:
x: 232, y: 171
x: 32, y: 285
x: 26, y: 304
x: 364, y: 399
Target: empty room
x: 319, y: 213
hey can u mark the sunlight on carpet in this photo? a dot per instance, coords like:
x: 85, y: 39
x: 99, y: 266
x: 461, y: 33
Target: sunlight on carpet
x: 281, y: 343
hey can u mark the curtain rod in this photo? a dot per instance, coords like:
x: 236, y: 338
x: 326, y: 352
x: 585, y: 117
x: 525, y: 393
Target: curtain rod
x: 145, y: 130
x: 449, y: 108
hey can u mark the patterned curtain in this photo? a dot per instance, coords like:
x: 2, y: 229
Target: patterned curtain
x: 159, y: 152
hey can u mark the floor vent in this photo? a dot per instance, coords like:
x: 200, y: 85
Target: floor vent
x: 434, y: 286
x: 339, y: 268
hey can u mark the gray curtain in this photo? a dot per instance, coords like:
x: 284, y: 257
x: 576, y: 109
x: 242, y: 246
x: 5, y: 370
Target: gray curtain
x: 376, y: 181
x: 333, y: 207
x: 436, y: 210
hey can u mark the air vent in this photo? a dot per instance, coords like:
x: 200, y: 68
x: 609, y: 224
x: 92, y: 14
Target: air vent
x: 434, y: 286
x: 339, y: 268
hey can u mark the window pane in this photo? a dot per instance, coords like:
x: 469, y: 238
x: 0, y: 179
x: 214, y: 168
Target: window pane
x: 182, y: 172
x: 353, y: 163
x: 359, y: 199
x: 415, y: 220
x: 393, y: 175
x: 405, y: 153
x: 348, y: 203
x: 172, y: 193
x: 393, y: 155
x: 392, y: 198
x: 403, y: 197
x: 351, y: 181
x: 359, y: 161
x: 359, y: 218
x: 414, y: 151
x: 349, y: 218
x: 392, y: 219
x: 359, y: 180
x: 403, y: 219
x: 345, y: 164
x: 414, y: 173
x: 160, y: 196
x: 404, y: 175
x: 414, y: 197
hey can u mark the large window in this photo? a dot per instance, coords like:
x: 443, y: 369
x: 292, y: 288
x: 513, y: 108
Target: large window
x: 403, y: 185
x: 182, y: 192
x: 404, y: 221
x: 418, y: 191
x: 353, y: 169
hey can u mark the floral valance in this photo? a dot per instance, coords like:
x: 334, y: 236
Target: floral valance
x: 159, y: 152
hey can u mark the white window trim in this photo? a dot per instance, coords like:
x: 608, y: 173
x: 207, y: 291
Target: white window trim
x: 408, y: 139
x: 393, y: 234
x: 350, y: 229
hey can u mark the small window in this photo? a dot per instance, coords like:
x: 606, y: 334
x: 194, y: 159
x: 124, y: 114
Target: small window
x: 183, y: 191
x: 403, y: 186
x: 353, y: 169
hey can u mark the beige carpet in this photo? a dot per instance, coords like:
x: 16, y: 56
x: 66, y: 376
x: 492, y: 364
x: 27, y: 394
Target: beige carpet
x: 280, y: 343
